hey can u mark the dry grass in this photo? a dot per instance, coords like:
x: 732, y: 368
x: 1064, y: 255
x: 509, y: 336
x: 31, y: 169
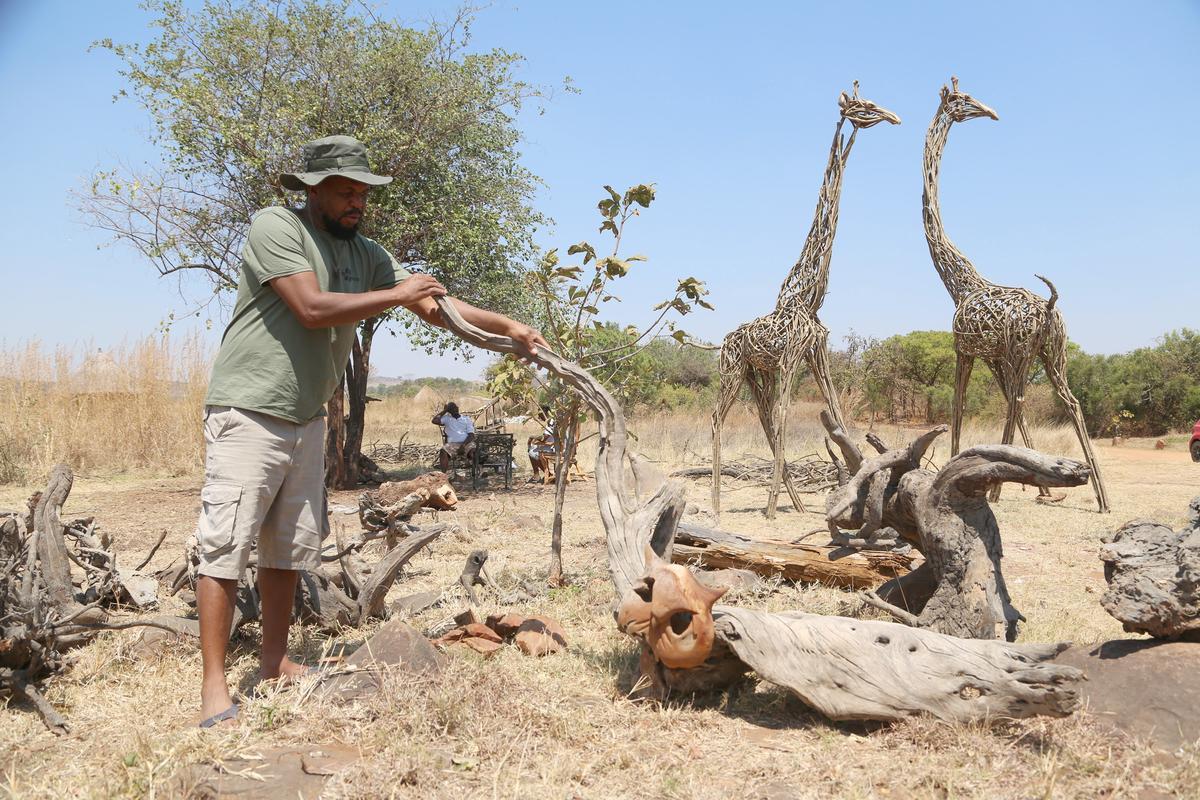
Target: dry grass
x: 563, y: 726
x: 134, y: 408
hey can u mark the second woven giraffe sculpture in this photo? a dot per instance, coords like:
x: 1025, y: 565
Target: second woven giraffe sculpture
x: 1008, y: 327
x: 767, y: 352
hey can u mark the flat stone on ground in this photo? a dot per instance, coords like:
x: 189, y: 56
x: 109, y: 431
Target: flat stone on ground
x: 292, y: 772
x: 396, y: 645
x: 416, y: 603
x: 1145, y: 687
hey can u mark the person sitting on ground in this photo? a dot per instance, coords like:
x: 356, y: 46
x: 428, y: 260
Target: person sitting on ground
x: 542, y: 448
x: 460, y: 435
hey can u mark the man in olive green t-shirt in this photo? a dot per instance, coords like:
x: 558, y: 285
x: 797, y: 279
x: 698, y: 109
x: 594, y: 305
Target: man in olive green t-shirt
x: 307, y: 279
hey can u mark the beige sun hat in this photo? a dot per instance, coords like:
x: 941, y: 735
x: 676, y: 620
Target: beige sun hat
x: 333, y: 155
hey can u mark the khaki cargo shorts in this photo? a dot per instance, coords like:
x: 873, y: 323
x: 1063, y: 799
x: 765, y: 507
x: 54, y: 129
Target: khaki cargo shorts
x: 264, y: 485
x: 454, y: 448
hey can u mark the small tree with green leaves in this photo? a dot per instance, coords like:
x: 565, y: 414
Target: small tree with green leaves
x: 569, y: 299
x: 233, y: 90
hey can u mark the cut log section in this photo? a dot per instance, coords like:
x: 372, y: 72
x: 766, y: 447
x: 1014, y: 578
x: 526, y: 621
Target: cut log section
x: 387, y: 509
x: 785, y: 647
x: 798, y: 562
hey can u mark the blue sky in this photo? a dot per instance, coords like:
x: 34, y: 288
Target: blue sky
x: 1089, y: 177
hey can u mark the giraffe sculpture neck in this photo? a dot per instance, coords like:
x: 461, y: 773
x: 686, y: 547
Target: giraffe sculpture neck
x: 806, y: 284
x: 957, y: 272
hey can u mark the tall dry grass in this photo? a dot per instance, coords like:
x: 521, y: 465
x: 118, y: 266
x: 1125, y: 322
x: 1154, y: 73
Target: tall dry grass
x: 133, y: 408
x: 136, y: 408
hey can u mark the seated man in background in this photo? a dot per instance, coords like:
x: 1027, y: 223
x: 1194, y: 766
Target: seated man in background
x: 460, y: 435
x: 541, y: 449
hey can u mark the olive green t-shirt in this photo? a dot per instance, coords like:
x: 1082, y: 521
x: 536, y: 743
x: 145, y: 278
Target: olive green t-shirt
x: 268, y: 361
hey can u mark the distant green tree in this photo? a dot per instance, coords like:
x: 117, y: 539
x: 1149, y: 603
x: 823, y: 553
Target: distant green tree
x: 910, y: 377
x: 234, y: 89
x: 1158, y: 386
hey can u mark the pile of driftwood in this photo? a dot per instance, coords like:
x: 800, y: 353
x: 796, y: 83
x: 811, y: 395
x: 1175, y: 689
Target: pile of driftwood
x: 403, y: 452
x: 809, y: 473
x: 845, y: 668
x: 43, y: 613
x: 346, y: 590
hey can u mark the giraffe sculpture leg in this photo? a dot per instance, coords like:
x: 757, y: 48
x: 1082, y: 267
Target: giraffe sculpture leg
x: 1056, y: 371
x: 765, y: 389
x: 1011, y: 378
x: 963, y: 365
x: 783, y: 403
x: 818, y: 364
x: 730, y: 382
x: 1043, y: 491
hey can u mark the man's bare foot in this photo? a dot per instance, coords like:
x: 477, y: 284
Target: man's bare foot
x: 284, y: 673
x: 215, y: 699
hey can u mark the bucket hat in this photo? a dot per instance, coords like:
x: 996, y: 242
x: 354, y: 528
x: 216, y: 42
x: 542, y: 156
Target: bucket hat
x: 333, y: 155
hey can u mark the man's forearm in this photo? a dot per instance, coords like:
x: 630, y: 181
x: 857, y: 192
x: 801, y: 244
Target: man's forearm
x: 489, y: 321
x: 328, y: 309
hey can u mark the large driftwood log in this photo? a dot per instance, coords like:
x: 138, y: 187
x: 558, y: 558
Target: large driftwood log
x: 1013, y: 678
x: 865, y: 669
x: 1153, y: 576
x: 960, y: 590
x: 793, y: 561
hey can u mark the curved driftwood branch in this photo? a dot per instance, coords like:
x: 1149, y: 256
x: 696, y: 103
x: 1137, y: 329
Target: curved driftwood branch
x: 629, y: 523
x: 961, y: 589
x: 375, y: 588
x: 842, y: 667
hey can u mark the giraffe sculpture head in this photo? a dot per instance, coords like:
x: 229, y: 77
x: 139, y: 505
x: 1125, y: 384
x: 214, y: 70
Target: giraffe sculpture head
x: 960, y: 106
x: 862, y: 113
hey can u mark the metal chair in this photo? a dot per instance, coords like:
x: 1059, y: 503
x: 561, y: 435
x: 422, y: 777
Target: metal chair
x: 493, y: 451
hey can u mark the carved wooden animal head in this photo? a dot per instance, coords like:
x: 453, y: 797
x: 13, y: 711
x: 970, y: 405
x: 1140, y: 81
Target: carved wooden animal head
x: 862, y: 113
x: 671, y: 612
x: 960, y: 106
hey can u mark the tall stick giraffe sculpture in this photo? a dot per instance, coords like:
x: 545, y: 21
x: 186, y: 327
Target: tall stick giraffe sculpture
x: 1007, y: 327
x: 767, y: 352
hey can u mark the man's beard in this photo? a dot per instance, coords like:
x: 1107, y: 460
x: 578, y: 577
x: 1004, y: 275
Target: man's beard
x: 338, y: 230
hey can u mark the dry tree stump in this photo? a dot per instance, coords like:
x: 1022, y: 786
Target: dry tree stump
x: 960, y: 589
x: 1153, y: 576
x: 824, y: 660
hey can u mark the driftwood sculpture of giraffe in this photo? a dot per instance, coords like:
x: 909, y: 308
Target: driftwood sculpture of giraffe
x: 1007, y: 327
x: 767, y: 352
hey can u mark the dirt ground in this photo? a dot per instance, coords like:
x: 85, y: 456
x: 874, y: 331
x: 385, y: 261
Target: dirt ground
x: 564, y: 726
